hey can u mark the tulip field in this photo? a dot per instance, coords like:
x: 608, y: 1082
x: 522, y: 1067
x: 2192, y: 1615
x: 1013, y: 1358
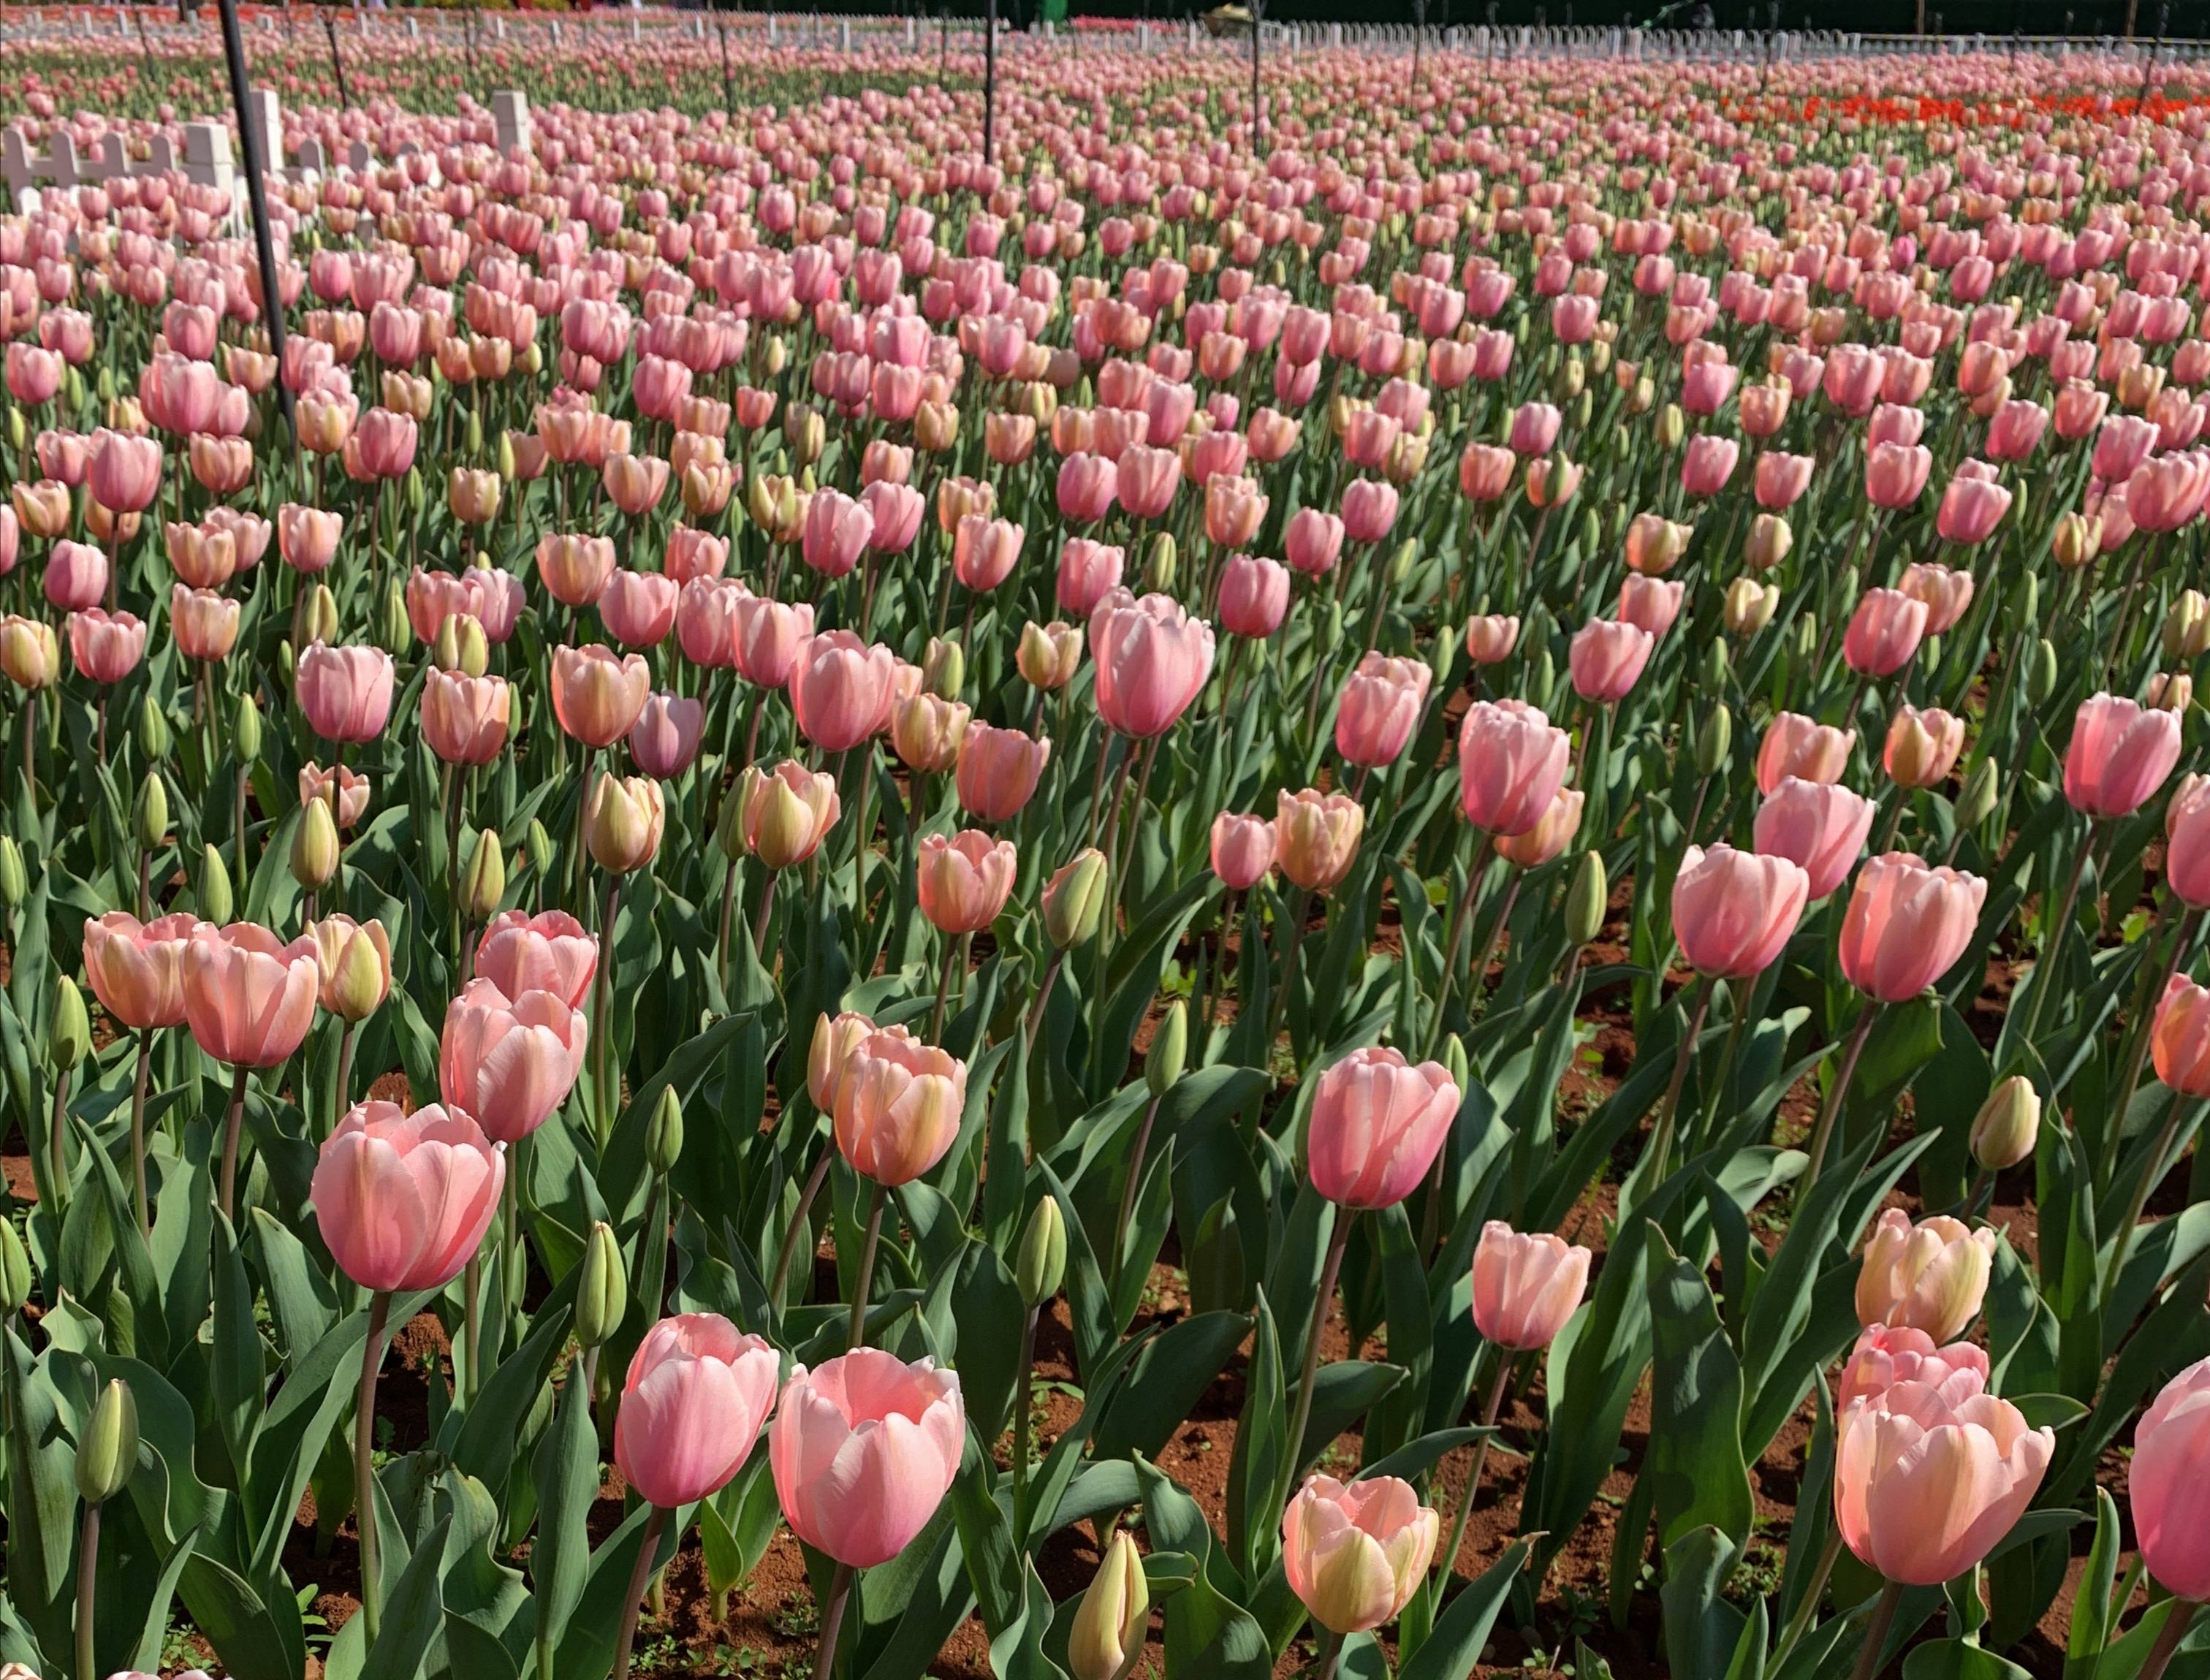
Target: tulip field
x: 807, y: 873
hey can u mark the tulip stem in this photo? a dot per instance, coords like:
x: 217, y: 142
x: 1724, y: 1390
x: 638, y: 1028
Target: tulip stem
x: 229, y: 1131
x: 603, y: 1012
x: 363, y: 1475
x: 1044, y: 991
x: 1021, y: 1421
x: 2152, y: 1169
x: 856, y: 1333
x: 1875, y: 1638
x: 648, y: 1548
x: 2144, y: 1016
x: 1466, y: 901
x: 1832, y: 1111
x: 1447, y: 1561
x: 2052, y: 944
x: 1128, y: 1191
x: 832, y: 1619
x: 342, y: 1095
x: 1661, y: 1144
x: 943, y: 987
x: 1807, y: 1609
x: 759, y: 917
x: 472, y: 1328
x: 2179, y: 1619
x: 862, y: 832
x: 1300, y: 907
x: 88, y: 1567
x: 798, y: 1222
x: 1338, y: 1240
x: 1331, y: 1654
x: 138, y: 1130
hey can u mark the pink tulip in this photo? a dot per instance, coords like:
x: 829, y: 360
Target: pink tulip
x: 1380, y: 706
x: 1376, y: 1123
x: 1970, y: 509
x: 2186, y: 842
x: 1607, y: 658
x: 345, y: 693
x: 997, y: 770
x: 1512, y: 760
x: 1153, y: 659
x: 2164, y: 493
x: 124, y: 472
x: 1820, y: 825
x: 1242, y: 850
x: 1088, y: 569
x: 1925, y: 1486
x: 1781, y: 480
x: 465, y: 719
x: 638, y: 607
x: 964, y: 881
x: 2119, y: 754
x: 403, y: 1200
x: 510, y: 1062
x: 249, y: 997
x: 1907, y: 925
x: 836, y: 531
x: 1254, y: 595
x: 1525, y: 1285
x: 1885, y: 1354
x: 842, y: 691
x: 1895, y: 473
x: 1354, y: 1553
x: 697, y: 1394
x: 1795, y: 745
x: 1312, y: 541
x: 1734, y: 912
x: 2171, y: 1524
x: 863, y: 1451
x: 1535, y: 428
x: 137, y: 970
x: 1708, y: 464
x: 898, y: 1105
x: 1650, y: 603
x: 105, y: 648
x: 1369, y: 510
x: 2179, y: 1038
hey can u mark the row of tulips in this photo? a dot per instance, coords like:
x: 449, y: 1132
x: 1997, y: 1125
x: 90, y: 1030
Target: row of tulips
x: 560, y: 885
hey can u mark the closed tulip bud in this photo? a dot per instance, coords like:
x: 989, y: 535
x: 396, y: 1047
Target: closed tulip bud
x: 2187, y: 627
x: 1592, y: 532
x: 505, y: 461
x: 1713, y: 739
x: 150, y: 814
x: 1571, y: 378
x: 539, y: 845
x: 315, y: 616
x: 2041, y: 671
x: 1110, y: 1625
x: 245, y: 730
x: 1717, y: 667
x: 1402, y: 562
x: 1770, y: 540
x: 69, y: 1035
x: 729, y: 824
x: 1161, y: 563
x: 1672, y: 426
x: 1162, y: 1064
x: 155, y: 734
x: 2025, y: 605
x: 944, y: 668
x: 483, y: 884
x: 1074, y: 900
x: 107, y: 1450
x: 2008, y: 1125
x: 15, y: 1270
x: 601, y: 1288
x: 804, y: 434
x: 1587, y: 899
x: 663, y: 1134
x: 1976, y: 803
x: 14, y: 882
x: 213, y: 888
x: 315, y: 846
x: 1042, y: 1263
x: 395, y: 632
x: 462, y: 646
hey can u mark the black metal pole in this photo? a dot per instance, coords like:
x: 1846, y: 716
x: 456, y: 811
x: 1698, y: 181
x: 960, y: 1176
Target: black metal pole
x: 990, y: 85
x: 337, y: 61
x: 256, y: 198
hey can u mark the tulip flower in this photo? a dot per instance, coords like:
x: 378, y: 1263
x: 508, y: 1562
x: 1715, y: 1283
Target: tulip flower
x: 1354, y: 1554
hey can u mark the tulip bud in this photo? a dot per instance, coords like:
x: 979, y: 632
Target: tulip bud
x: 314, y: 616
x: 1750, y: 606
x: 1571, y: 379
x: 1672, y: 426
x: 1599, y: 358
x: 213, y: 888
x: 1160, y: 565
x: 394, y: 630
x: 540, y: 849
x: 1591, y: 530
x: 245, y: 730
x: 69, y: 1035
x: 1106, y: 1639
x: 107, y: 1450
x: 483, y: 883
x: 15, y: 1270
x: 944, y: 668
x: 2025, y: 605
x: 153, y: 732
x: 1716, y: 664
x: 531, y: 361
x: 1976, y: 803
x: 1642, y: 396
x: 461, y: 645
x: 1584, y: 409
x: 1771, y: 538
x: 1587, y: 899
x: 1544, y: 676
x: 1169, y: 1049
x: 472, y: 435
x: 601, y: 1287
x: 150, y: 814
x: 1713, y: 739
x: 2008, y: 1124
x: 2041, y: 671
x: 729, y: 823
x: 287, y: 662
x: 663, y: 1134
x: 804, y: 434
x: 1455, y: 1062
x: 2078, y: 540
x: 18, y: 429
x: 2187, y: 627
x: 1042, y: 1263
x: 315, y: 846
x: 1071, y: 913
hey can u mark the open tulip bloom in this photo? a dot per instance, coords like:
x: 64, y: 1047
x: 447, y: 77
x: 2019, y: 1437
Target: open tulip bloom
x: 924, y: 800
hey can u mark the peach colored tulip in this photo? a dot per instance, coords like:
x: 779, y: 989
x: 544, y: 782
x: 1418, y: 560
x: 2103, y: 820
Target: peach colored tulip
x: 509, y: 1062
x: 1316, y: 837
x: 1795, y: 745
x: 926, y: 731
x: 1820, y: 825
x: 353, y: 962
x: 1922, y: 746
x: 1354, y: 1554
x: 2179, y: 1039
x: 964, y: 881
x: 598, y: 695
x: 1885, y: 1354
x: 1734, y: 912
x: 1931, y: 1277
x: 549, y: 951
x: 348, y: 792
x: 1376, y: 1123
x: 403, y: 1200
x: 575, y: 568
x: 897, y: 1106
x: 465, y: 719
x: 1490, y: 638
x: 863, y: 1450
x: 696, y: 1397
x: 623, y: 822
x: 1525, y: 1285
x: 204, y: 624
x: 785, y: 813
x: 137, y: 970
x: 998, y: 770
x: 249, y: 997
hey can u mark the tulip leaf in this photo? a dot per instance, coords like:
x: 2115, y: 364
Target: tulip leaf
x: 1206, y: 1631
x: 1461, y: 1632
x: 1016, y: 1651
x: 2094, y: 1616
x: 986, y: 1537
x: 1959, y: 1659
x: 1694, y: 1462
x: 486, y: 1442
x: 1169, y: 1376
x: 1343, y: 1391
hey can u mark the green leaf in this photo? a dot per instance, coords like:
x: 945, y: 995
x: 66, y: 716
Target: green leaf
x: 1206, y: 1632
x: 1460, y: 1632
x: 410, y: 1616
x: 1343, y: 1392
x: 1694, y: 1461
x: 567, y: 1480
x: 2092, y: 1614
x: 1959, y: 1659
x: 1174, y: 1369
x: 986, y: 1535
